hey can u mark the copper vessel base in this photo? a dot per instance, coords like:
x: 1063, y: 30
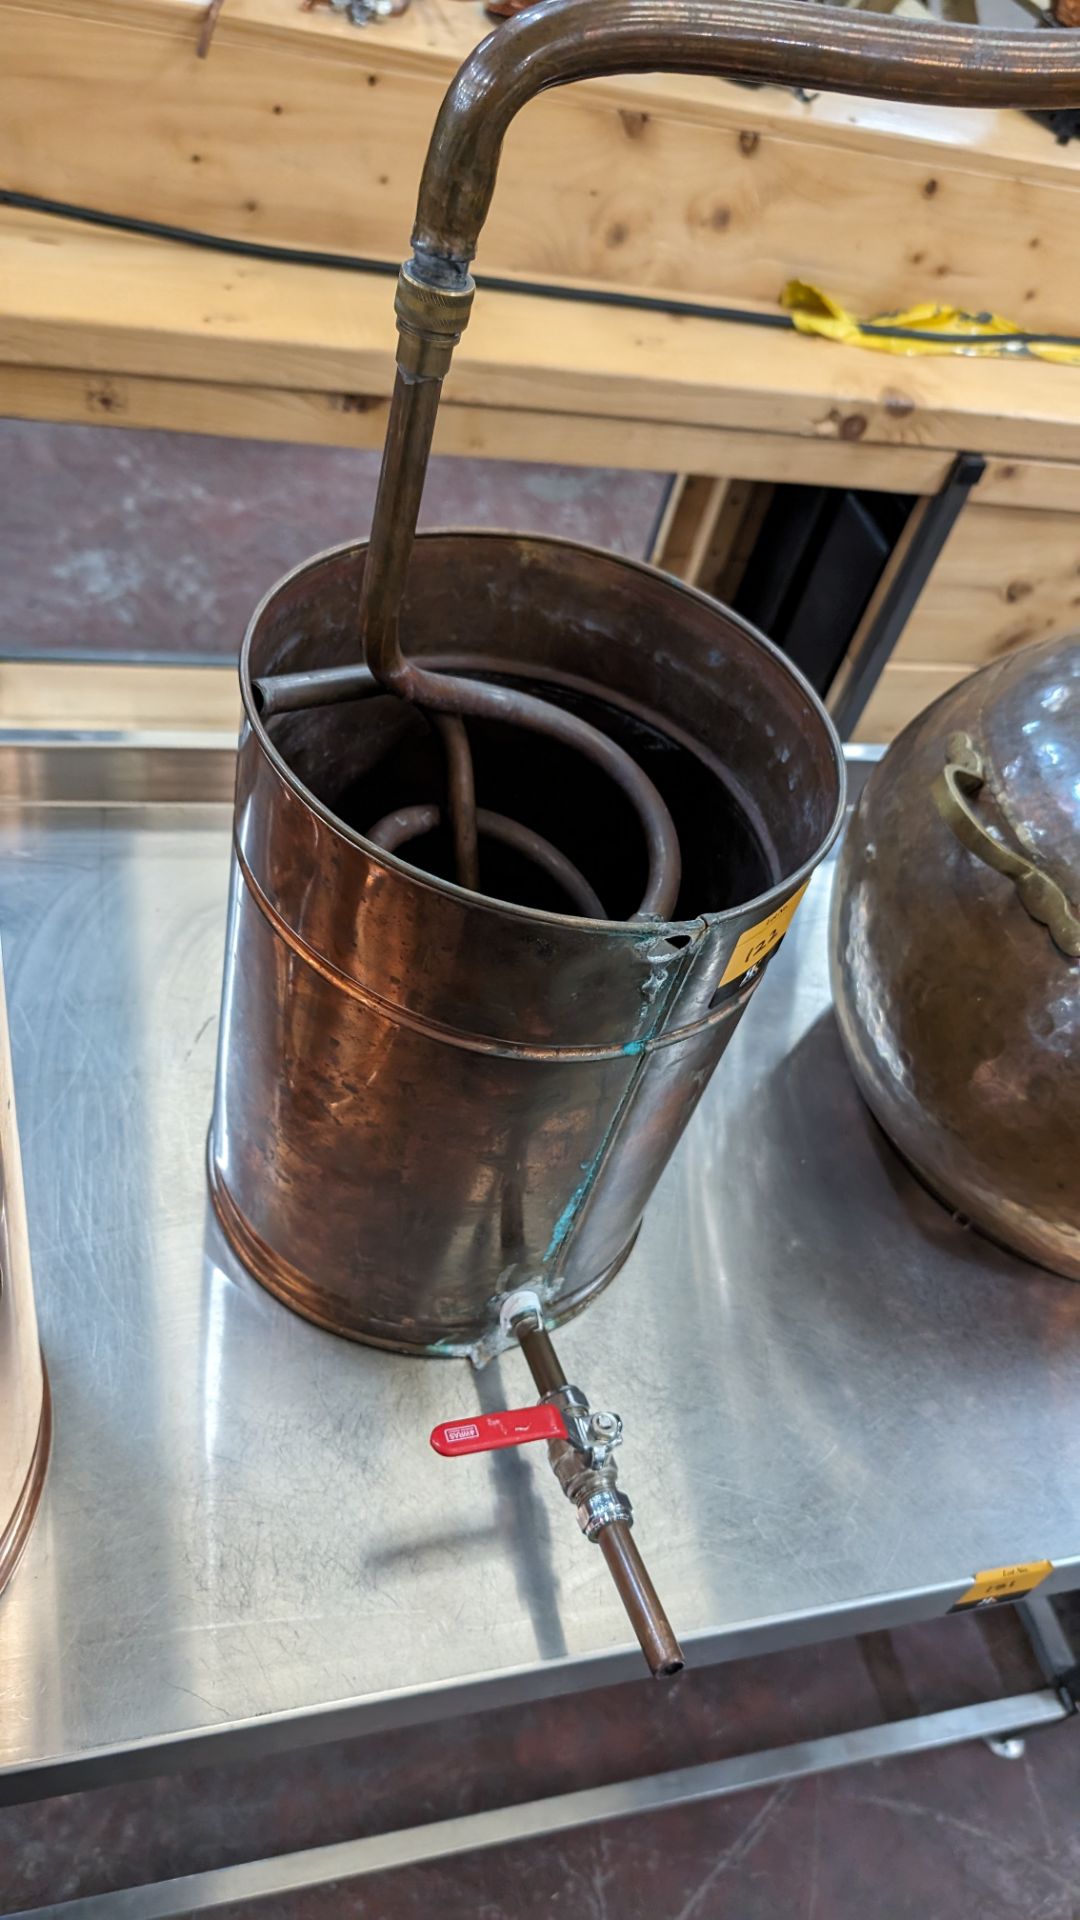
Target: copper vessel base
x: 318, y: 1305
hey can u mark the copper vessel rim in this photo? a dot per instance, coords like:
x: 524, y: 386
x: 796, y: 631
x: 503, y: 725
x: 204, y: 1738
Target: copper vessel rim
x: 630, y: 929
x: 16, y: 1533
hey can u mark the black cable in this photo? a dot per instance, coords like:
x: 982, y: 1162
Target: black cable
x: 189, y: 236
x: 355, y: 263
x: 496, y: 283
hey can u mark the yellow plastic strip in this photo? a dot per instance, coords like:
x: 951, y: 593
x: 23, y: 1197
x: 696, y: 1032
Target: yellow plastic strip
x: 819, y: 313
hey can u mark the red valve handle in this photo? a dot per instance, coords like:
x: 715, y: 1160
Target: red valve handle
x: 487, y: 1431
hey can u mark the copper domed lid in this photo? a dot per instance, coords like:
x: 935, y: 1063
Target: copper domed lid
x: 956, y: 949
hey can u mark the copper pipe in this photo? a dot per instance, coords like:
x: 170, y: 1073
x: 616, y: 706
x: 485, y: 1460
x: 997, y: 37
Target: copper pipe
x: 401, y: 480
x: 408, y: 438
x: 543, y: 1361
x: 824, y: 49
x: 460, y: 798
x: 315, y: 687
x: 396, y: 829
x: 413, y: 407
x: 638, y: 1595
x: 635, y: 1589
x: 449, y: 693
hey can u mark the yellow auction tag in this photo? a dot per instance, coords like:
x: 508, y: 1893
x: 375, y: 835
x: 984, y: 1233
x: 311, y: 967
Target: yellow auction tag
x: 1003, y: 1583
x: 758, y: 941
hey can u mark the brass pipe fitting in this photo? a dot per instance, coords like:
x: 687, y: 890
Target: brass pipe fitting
x: 431, y: 320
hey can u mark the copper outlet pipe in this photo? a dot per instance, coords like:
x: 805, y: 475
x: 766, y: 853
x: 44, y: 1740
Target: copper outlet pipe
x: 543, y: 1361
x: 653, y: 1629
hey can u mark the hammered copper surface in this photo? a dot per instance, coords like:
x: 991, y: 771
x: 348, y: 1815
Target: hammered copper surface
x: 426, y: 1096
x: 959, y: 1012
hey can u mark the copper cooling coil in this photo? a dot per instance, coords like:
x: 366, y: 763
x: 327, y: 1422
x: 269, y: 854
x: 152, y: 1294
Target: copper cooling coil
x: 395, y: 830
x: 445, y: 699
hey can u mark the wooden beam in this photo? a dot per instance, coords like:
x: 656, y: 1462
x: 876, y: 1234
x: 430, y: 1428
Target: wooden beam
x: 689, y: 525
x: 357, y: 420
x: 1038, y: 484
x: 431, y: 40
x: 301, y: 130
x: 1007, y: 577
x: 901, y: 693
x: 490, y: 433
x: 90, y: 696
x: 116, y: 304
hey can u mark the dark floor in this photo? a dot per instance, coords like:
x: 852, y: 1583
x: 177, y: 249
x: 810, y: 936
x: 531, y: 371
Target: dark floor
x: 145, y: 543
x: 926, y: 1838
x: 162, y: 542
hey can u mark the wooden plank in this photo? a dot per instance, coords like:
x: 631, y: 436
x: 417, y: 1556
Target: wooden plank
x: 661, y: 538
x: 690, y: 524
x: 138, y: 699
x: 709, y: 530
x: 901, y: 693
x: 299, y: 129
x: 1007, y: 576
x: 492, y: 433
x: 117, y: 304
x: 356, y: 420
x: 734, y: 540
x: 1030, y: 483
x: 434, y: 37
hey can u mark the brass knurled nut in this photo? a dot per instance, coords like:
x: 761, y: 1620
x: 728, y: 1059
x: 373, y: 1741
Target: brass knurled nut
x: 431, y: 321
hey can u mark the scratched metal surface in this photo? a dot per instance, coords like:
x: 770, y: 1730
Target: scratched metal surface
x: 839, y: 1403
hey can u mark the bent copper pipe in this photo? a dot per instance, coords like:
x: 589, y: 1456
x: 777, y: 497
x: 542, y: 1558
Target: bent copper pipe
x: 795, y: 44
x: 823, y: 49
x: 408, y: 442
x: 295, y: 692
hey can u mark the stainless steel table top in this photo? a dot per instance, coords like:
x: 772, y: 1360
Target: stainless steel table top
x: 839, y: 1402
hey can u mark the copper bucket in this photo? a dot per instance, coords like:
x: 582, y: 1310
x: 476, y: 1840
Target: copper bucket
x: 426, y: 1096
x: 447, y: 1075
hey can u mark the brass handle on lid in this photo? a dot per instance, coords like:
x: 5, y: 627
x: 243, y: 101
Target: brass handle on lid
x: 1039, y: 895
